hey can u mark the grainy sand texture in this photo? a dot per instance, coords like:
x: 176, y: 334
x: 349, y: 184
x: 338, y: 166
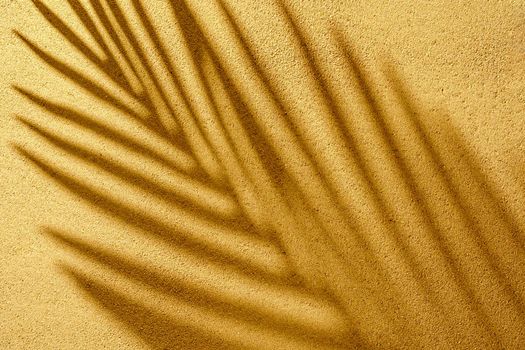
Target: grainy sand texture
x: 270, y: 174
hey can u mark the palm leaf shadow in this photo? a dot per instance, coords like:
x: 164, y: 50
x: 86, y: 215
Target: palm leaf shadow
x: 277, y: 185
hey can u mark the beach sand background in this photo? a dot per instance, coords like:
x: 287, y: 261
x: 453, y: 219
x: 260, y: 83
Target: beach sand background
x: 461, y: 67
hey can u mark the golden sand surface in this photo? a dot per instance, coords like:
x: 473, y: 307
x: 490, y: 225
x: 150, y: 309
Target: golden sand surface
x: 270, y: 174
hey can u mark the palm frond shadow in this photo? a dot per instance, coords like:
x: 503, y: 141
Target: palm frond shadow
x: 318, y: 276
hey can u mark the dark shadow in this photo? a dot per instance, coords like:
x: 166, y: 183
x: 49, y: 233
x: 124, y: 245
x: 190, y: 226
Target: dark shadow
x: 183, y: 291
x: 89, y: 123
x: 157, y: 329
x: 457, y: 198
x: 348, y: 273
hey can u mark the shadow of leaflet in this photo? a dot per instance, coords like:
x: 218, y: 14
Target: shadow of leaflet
x: 282, y: 195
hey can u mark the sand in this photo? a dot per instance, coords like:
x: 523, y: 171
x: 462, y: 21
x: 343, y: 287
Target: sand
x: 246, y: 174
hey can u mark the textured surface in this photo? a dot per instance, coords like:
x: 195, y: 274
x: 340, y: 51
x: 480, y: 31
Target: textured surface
x: 437, y: 119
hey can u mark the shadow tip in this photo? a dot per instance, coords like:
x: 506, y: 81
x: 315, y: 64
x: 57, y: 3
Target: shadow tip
x: 17, y: 148
x: 18, y: 34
